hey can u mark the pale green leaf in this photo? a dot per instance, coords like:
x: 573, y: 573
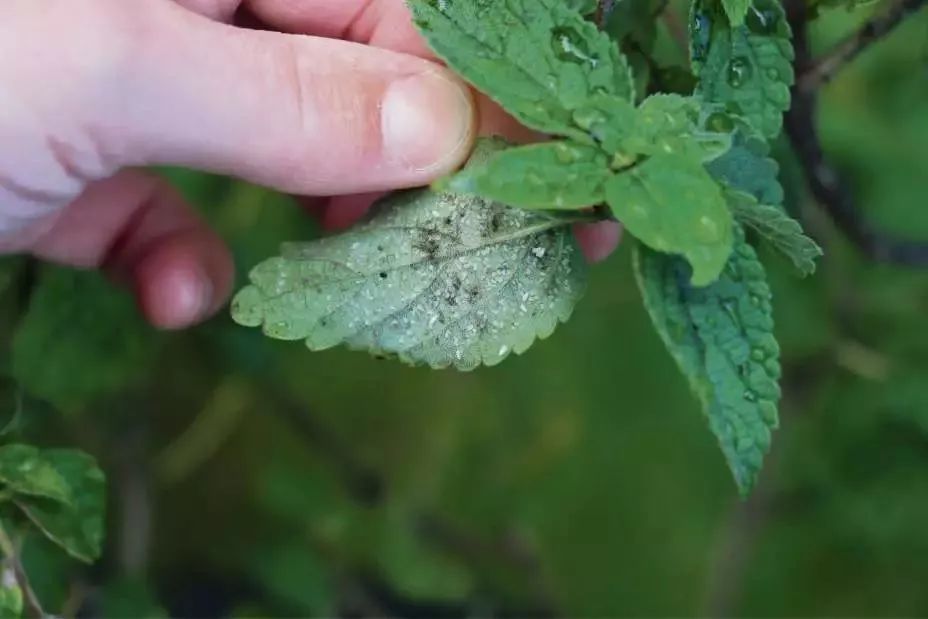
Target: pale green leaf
x: 721, y: 336
x: 538, y: 58
x: 747, y: 68
x: 25, y: 470
x: 81, y: 339
x: 778, y: 228
x: 431, y: 278
x: 550, y: 175
x: 671, y: 204
x: 75, y: 527
x: 11, y: 595
x: 661, y: 124
x: 736, y: 10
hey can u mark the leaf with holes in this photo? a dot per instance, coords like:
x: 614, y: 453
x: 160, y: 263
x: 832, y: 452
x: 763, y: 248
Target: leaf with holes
x: 540, y: 59
x: 431, y: 278
x: 721, y: 336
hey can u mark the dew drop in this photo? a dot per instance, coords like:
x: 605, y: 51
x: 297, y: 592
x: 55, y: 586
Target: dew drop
x: 750, y: 396
x: 739, y: 71
x: 720, y: 122
x: 707, y: 231
x: 587, y: 118
x: 570, y: 46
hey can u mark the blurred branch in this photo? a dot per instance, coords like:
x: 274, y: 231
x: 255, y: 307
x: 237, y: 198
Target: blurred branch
x: 369, y: 488
x: 824, y: 69
x: 211, y: 427
x: 825, y: 183
x: 603, y: 12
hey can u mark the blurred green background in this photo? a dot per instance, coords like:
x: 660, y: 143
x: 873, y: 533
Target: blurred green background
x: 249, y: 477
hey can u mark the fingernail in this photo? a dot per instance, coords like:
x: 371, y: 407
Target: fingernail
x: 192, y: 292
x: 427, y: 122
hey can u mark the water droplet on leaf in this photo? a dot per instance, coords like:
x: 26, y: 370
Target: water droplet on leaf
x: 720, y: 122
x: 739, y: 71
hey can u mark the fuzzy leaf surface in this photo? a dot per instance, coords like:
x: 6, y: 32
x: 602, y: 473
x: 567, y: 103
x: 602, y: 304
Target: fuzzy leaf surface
x: 431, y: 278
x: 539, y: 59
x: 721, y: 337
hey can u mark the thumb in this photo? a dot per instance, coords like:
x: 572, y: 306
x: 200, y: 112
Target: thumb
x: 302, y: 114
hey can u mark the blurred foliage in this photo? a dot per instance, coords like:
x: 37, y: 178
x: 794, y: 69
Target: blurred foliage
x: 251, y: 478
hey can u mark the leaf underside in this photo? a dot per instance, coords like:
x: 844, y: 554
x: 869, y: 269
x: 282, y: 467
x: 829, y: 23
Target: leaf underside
x: 431, y: 278
x: 721, y: 336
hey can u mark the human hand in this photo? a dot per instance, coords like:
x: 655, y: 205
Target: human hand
x: 90, y: 90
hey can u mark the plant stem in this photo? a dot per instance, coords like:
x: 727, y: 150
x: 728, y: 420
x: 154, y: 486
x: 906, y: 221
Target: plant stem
x: 824, y: 181
x: 824, y: 69
x: 9, y: 548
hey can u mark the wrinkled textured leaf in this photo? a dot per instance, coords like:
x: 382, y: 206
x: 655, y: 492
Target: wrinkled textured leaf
x: 721, y: 336
x: 538, y: 58
x: 671, y: 204
x: 748, y: 167
x: 81, y: 339
x: 584, y: 7
x: 736, y: 10
x: 11, y: 595
x: 778, y: 228
x: 551, y: 175
x: 25, y: 470
x: 76, y: 527
x: 748, y: 67
x: 432, y: 278
x: 662, y: 124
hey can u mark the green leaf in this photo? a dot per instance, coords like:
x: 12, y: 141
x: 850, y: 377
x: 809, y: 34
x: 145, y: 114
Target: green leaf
x: 747, y: 68
x: 747, y: 167
x: 431, y: 278
x: 81, y: 339
x: 25, y: 470
x: 671, y: 204
x: 721, y: 336
x: 76, y: 527
x: 662, y: 124
x: 11, y: 595
x: 778, y: 228
x: 538, y: 58
x: 551, y: 175
x: 736, y: 10
x: 584, y: 7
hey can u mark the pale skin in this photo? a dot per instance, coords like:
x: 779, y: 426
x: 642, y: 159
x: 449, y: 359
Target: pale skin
x: 326, y: 98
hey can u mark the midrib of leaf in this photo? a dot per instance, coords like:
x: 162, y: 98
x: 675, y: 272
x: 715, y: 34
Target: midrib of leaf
x: 446, y: 260
x: 523, y: 261
x: 491, y: 241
